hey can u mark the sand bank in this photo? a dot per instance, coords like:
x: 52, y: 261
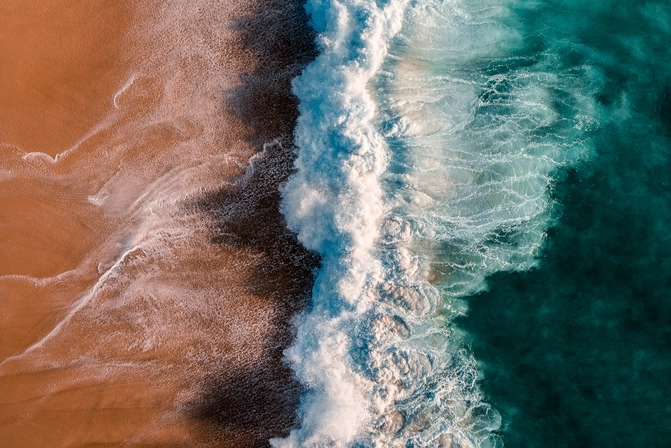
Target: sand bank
x: 147, y: 279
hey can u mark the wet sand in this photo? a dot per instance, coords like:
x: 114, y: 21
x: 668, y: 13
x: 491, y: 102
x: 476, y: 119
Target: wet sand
x: 148, y: 283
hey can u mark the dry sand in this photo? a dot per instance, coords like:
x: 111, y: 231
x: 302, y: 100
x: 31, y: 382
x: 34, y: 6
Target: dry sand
x: 146, y: 279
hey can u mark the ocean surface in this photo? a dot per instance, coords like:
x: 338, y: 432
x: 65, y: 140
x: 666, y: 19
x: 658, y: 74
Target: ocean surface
x: 335, y: 223
x: 487, y: 184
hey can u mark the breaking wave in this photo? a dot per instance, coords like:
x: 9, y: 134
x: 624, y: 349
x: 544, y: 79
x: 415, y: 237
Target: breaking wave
x: 427, y: 144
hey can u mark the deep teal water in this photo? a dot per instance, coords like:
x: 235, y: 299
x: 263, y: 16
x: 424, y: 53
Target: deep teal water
x: 577, y: 352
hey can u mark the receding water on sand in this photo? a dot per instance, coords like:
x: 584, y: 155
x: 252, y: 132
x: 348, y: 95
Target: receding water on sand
x: 147, y: 278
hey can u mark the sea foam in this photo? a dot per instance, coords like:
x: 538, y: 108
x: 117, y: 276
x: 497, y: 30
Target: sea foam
x: 423, y: 166
x: 334, y: 203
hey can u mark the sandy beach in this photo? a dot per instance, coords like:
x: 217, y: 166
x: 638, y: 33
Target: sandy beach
x: 148, y: 281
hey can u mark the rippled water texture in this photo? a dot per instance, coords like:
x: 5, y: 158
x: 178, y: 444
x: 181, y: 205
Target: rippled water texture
x: 577, y: 352
x: 479, y: 191
x: 512, y: 147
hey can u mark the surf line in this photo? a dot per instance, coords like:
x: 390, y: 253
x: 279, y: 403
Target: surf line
x: 334, y: 202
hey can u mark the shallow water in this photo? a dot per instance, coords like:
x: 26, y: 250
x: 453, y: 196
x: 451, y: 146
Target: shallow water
x: 139, y: 140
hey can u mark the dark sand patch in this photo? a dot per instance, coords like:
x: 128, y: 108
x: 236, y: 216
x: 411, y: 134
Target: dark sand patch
x: 149, y: 283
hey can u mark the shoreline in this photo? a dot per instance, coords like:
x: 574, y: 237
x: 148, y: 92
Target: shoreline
x: 146, y: 233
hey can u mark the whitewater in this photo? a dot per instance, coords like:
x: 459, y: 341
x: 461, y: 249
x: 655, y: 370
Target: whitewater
x: 426, y: 151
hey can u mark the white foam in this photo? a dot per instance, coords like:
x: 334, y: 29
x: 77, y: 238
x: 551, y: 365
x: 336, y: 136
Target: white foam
x: 334, y: 202
x: 123, y: 90
x: 446, y: 183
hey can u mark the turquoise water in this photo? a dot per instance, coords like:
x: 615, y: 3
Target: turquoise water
x: 578, y: 351
x: 486, y: 183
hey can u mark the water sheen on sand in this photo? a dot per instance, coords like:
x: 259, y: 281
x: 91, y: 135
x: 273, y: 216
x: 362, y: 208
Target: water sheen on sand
x: 147, y: 280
